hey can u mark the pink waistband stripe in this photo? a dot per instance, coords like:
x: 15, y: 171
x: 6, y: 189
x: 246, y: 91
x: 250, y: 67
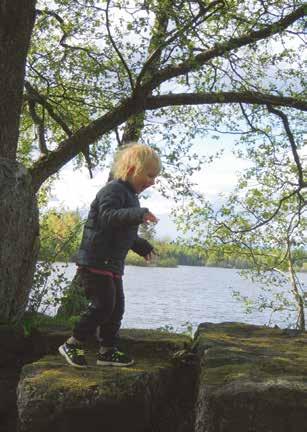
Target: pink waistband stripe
x: 103, y: 272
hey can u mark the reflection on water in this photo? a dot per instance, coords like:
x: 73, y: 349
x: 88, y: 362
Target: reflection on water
x: 158, y: 297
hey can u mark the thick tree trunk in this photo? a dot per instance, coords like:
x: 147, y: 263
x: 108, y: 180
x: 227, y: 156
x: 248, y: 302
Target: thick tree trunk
x: 16, y: 23
x: 19, y: 239
x: 18, y: 210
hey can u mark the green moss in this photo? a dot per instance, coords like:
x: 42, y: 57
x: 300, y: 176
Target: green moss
x: 51, y: 380
x: 238, y: 352
x: 54, y: 379
x: 227, y: 373
x: 51, y: 377
x: 154, y: 335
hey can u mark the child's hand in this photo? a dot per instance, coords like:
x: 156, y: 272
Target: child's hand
x: 151, y: 255
x: 149, y: 217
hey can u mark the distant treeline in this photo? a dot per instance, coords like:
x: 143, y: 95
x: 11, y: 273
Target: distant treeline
x: 172, y: 254
x: 61, y: 232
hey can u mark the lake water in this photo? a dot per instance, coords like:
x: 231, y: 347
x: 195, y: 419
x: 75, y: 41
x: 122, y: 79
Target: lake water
x: 158, y: 297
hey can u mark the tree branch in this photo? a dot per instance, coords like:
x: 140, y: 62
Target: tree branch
x: 117, y: 137
x: 221, y: 49
x: 66, y: 35
x: 154, y: 102
x: 284, y: 118
x: 35, y: 96
x: 116, y: 49
x: 87, y: 135
x: 87, y: 157
x: 264, y: 221
x: 157, y: 52
x: 76, y: 143
x: 252, y: 127
x: 39, y: 122
x: 135, y: 124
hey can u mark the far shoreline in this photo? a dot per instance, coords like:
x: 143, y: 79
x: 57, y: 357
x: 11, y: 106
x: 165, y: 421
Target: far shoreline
x: 176, y: 266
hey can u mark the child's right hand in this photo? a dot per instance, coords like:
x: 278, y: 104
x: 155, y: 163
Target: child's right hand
x: 150, y: 217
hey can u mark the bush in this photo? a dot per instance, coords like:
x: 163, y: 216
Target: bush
x: 134, y: 259
x: 73, y: 301
x: 33, y: 321
x: 47, y: 291
x: 167, y: 262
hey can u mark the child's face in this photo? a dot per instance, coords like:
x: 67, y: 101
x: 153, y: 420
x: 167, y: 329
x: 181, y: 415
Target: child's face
x: 145, y: 179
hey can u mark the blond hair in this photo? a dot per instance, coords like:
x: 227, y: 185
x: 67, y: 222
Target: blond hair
x: 134, y: 155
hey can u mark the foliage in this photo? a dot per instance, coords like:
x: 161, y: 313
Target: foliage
x: 46, y: 292
x: 191, y: 67
x: 73, y: 300
x: 60, y: 235
x: 263, y: 219
x: 275, y: 296
x: 135, y: 259
x: 167, y: 262
x: 147, y: 231
x: 185, y: 328
x: 34, y: 321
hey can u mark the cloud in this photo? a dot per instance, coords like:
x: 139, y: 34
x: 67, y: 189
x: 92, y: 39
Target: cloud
x: 75, y: 189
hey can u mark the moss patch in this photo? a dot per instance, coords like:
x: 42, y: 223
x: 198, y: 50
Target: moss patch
x: 239, y: 352
x: 51, y: 392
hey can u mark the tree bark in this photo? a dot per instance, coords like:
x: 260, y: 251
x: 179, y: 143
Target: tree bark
x: 19, y: 231
x: 16, y: 23
x: 18, y: 210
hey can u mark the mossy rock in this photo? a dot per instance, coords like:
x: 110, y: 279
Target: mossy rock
x: 143, y: 397
x: 252, y: 378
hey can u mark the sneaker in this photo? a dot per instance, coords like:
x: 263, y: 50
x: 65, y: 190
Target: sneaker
x: 73, y: 354
x: 114, y: 357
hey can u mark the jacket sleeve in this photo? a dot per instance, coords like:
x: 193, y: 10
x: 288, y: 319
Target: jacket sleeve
x: 141, y: 247
x: 111, y: 211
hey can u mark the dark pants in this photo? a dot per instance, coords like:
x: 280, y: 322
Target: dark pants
x: 105, y: 310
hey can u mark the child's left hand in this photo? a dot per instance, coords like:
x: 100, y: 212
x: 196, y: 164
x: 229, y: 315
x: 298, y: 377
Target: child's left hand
x: 151, y: 255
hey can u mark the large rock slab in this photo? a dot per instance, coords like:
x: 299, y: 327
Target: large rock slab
x: 155, y: 394
x: 252, y: 379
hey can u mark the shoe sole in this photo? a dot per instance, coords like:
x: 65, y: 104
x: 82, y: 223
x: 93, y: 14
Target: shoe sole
x: 104, y: 363
x: 63, y: 353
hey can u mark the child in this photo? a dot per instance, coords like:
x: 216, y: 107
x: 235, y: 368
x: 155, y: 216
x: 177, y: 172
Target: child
x: 110, y: 231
